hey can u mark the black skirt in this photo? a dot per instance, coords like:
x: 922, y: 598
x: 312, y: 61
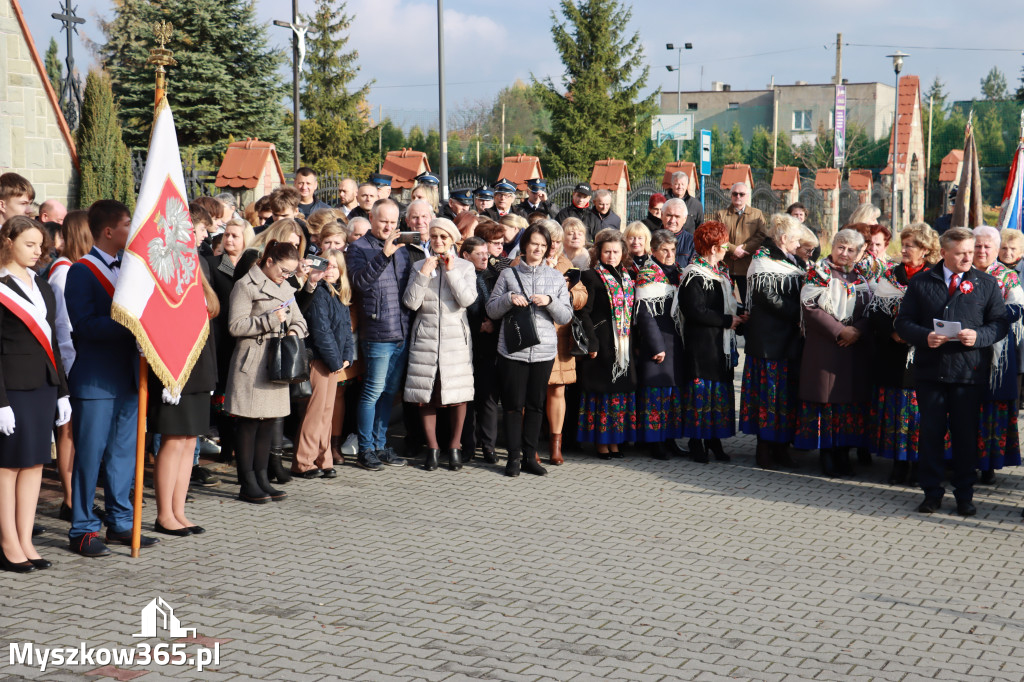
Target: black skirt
x: 190, y: 417
x: 34, y: 414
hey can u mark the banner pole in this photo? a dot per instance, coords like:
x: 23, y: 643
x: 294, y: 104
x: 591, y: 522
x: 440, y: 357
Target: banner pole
x: 140, y: 455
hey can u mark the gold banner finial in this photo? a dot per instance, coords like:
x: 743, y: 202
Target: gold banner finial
x: 161, y: 56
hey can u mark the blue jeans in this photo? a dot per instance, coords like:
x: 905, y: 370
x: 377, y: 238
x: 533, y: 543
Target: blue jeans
x: 385, y: 365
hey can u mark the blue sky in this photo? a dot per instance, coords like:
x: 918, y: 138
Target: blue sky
x: 744, y: 43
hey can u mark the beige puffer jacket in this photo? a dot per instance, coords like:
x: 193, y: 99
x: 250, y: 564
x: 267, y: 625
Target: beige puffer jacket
x: 440, y: 340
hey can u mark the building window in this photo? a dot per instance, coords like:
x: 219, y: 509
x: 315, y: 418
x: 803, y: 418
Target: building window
x: 734, y: 105
x: 802, y: 120
x: 691, y: 106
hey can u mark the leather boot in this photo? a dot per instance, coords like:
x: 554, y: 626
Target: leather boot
x: 336, y: 455
x: 430, y: 459
x: 264, y: 483
x: 490, y: 456
x: 898, y: 476
x: 828, y: 462
x: 454, y: 459
x: 531, y: 465
x: 556, y: 449
x: 658, y: 451
x: 780, y: 452
x: 714, y: 446
x: 249, y: 490
x: 697, y: 451
x: 275, y: 470
x: 763, y: 455
x: 513, y: 464
x: 844, y: 467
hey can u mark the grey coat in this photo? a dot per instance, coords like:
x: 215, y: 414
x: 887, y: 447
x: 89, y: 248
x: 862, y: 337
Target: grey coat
x: 440, y: 344
x: 252, y: 320
x: 537, y: 279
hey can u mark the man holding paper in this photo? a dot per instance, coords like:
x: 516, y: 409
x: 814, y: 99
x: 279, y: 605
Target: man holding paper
x: 951, y: 315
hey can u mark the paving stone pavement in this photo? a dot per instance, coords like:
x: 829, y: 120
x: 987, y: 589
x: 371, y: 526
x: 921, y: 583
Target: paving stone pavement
x: 629, y: 569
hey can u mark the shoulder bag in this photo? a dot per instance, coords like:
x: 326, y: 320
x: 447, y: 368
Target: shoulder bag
x: 287, y: 360
x: 520, y: 327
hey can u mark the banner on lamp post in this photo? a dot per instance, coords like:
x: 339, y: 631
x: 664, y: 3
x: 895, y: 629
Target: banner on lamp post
x: 839, y: 145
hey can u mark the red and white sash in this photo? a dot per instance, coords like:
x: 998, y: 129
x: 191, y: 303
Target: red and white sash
x: 31, y: 315
x: 61, y: 262
x: 102, y: 272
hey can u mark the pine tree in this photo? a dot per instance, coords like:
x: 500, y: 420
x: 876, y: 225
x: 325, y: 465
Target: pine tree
x: 53, y: 68
x: 225, y: 84
x: 601, y: 114
x: 334, y: 132
x: 993, y: 85
x: 106, y: 166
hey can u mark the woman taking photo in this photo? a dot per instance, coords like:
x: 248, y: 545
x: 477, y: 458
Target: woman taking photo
x: 774, y: 343
x: 33, y: 389
x: 525, y: 372
x: 708, y: 315
x: 607, y: 378
x: 440, y: 370
x: 330, y: 339
x: 262, y: 303
x: 834, y: 380
x: 659, y: 349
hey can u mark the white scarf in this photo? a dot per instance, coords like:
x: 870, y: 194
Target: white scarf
x: 834, y: 295
x: 772, y: 275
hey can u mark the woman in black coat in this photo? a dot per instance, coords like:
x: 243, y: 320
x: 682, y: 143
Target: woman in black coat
x: 658, y: 349
x: 606, y: 377
x: 709, y: 317
x: 481, y: 423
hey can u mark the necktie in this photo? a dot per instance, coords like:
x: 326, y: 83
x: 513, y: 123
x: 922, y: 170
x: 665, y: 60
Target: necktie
x: 953, y: 282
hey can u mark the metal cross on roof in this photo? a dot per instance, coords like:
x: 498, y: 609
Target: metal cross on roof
x: 70, y: 90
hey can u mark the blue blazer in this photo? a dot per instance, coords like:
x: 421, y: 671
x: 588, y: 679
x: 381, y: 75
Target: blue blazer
x: 110, y: 359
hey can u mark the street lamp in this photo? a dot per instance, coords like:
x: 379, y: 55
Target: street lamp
x: 678, y: 70
x: 897, y: 66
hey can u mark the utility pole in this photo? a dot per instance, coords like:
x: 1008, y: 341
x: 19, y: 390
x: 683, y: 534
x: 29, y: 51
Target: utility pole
x: 775, y: 125
x: 502, y: 130
x: 441, y: 102
x: 928, y: 163
x: 298, y: 55
x: 838, y: 79
x: 380, y: 136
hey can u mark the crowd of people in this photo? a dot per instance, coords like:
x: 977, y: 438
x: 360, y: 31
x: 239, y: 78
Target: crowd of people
x: 482, y: 311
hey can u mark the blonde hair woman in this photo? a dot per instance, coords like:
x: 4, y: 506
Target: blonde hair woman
x: 574, y: 243
x: 638, y: 239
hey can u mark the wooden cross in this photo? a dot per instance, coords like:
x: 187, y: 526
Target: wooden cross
x: 70, y: 90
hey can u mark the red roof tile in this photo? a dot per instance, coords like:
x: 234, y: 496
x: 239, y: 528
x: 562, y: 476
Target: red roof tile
x: 736, y: 172
x: 403, y: 166
x: 608, y: 173
x: 688, y: 167
x: 949, y: 171
x: 245, y: 162
x: 910, y: 97
x: 786, y: 178
x: 520, y: 168
x: 860, y: 180
x: 827, y: 178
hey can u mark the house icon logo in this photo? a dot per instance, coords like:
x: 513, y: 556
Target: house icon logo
x: 159, y: 613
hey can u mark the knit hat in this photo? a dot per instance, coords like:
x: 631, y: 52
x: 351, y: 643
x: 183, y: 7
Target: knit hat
x: 448, y: 226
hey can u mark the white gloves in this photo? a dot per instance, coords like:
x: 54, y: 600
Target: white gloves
x: 63, y: 411
x: 171, y: 398
x: 6, y: 420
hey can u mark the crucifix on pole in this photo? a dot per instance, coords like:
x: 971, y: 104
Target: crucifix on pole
x: 70, y: 91
x: 298, y: 57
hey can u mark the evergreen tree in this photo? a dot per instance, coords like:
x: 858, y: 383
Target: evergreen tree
x: 937, y: 90
x: 334, y: 132
x: 53, y: 68
x: 759, y: 153
x: 601, y: 114
x: 225, y: 84
x: 391, y: 137
x: 733, y: 151
x: 106, y: 166
x: 993, y: 85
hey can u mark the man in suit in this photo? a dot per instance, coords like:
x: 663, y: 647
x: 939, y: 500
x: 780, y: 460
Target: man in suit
x: 950, y: 372
x: 747, y: 229
x: 104, y: 385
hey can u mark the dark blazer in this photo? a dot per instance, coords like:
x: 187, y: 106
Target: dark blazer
x: 889, y: 362
x: 773, y: 330
x: 928, y: 299
x: 704, y: 328
x: 24, y: 365
x: 523, y: 209
x: 595, y: 374
x: 107, y: 361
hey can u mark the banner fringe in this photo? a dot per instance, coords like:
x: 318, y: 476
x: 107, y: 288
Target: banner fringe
x: 122, y: 316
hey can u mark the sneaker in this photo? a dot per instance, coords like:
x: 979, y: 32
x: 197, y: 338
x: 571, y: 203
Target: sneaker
x: 207, y: 447
x: 351, y: 445
x: 367, y: 459
x: 204, y: 477
x: 390, y: 457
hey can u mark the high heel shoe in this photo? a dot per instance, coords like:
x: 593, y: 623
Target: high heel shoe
x: 23, y: 567
x: 178, y: 532
x: 40, y: 563
x: 454, y: 459
x: 430, y: 459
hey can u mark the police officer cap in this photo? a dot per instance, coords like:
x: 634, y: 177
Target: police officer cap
x: 483, y: 192
x: 428, y: 179
x: 463, y: 196
x: 505, y: 186
x: 536, y: 184
x: 380, y: 179
x: 582, y: 188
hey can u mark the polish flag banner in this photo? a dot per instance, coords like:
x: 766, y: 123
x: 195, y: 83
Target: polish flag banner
x: 159, y: 294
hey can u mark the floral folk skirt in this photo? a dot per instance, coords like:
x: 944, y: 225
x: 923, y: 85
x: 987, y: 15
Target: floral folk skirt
x: 998, y: 442
x: 895, y: 422
x: 768, y: 400
x: 831, y: 425
x: 607, y: 418
x: 709, y: 410
x: 659, y: 414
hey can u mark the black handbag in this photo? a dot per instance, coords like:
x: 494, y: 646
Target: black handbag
x: 287, y: 361
x: 580, y: 342
x: 520, y: 327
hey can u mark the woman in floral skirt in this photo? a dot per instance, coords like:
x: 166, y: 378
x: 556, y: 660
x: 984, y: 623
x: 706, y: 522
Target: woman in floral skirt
x: 706, y: 311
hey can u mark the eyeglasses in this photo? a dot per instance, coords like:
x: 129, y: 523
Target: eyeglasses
x: 739, y: 194
x: 497, y: 242
x: 286, y: 273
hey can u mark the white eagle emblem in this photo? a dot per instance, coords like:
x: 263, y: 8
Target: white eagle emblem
x: 173, y: 258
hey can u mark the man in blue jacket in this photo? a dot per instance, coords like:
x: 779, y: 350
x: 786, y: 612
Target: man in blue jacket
x: 379, y: 270
x: 950, y: 372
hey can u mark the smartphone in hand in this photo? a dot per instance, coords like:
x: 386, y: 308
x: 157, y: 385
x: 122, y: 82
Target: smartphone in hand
x: 409, y: 238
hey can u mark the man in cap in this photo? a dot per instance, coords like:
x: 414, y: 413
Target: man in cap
x: 536, y: 200
x: 483, y: 202
x: 580, y: 208
x: 680, y: 189
x: 504, y: 195
x: 602, y: 208
x: 382, y: 181
x: 459, y: 202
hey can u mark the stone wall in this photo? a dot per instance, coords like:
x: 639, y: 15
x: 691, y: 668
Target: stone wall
x: 31, y: 140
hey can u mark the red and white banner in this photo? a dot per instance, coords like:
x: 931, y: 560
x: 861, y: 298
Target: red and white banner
x: 159, y: 295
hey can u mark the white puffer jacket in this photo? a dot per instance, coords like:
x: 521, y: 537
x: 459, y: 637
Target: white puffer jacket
x: 440, y: 340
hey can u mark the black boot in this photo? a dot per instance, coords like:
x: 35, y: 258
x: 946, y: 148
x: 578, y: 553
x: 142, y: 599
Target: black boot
x: 828, y: 462
x: 697, y: 452
x: 250, y: 490
x: 490, y: 456
x: 912, y: 475
x: 844, y: 467
x: 864, y: 458
x: 714, y: 446
x: 275, y: 471
x: 454, y: 459
x: 899, y: 473
x: 763, y: 455
x: 657, y: 450
x: 532, y: 466
x: 513, y: 464
x: 988, y: 477
x: 430, y: 459
x: 468, y: 455
x: 780, y: 451
x: 264, y: 484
